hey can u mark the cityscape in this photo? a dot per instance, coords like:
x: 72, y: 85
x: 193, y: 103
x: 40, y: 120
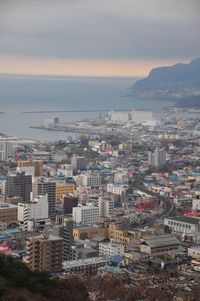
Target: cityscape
x: 99, y: 150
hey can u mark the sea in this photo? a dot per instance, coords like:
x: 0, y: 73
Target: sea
x: 19, y: 94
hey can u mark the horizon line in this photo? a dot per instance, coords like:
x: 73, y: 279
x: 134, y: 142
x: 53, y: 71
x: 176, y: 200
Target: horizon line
x: 70, y: 76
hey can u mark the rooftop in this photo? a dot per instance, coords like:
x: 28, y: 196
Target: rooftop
x: 84, y: 262
x: 162, y: 240
x: 186, y: 219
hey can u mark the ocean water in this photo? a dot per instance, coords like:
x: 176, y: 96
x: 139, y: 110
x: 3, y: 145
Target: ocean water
x: 26, y: 93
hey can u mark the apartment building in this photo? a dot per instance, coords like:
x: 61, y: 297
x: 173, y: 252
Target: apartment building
x: 63, y: 189
x: 35, y: 210
x: 37, y: 166
x: 85, y: 215
x: 19, y: 184
x: 44, y: 253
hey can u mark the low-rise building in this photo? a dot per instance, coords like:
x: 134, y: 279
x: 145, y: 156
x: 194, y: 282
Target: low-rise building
x: 185, y: 226
x: 8, y: 213
x: 86, y: 215
x: 89, y: 232
x: 160, y: 245
x: 111, y: 249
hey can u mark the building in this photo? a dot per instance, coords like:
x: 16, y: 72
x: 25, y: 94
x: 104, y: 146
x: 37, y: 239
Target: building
x: 157, y: 158
x: 89, y: 232
x: 77, y: 163
x: 194, y: 252
x: 7, y: 149
x: 159, y: 245
x: 8, y: 213
x: 51, y: 122
x: 43, y: 186
x: 196, y: 204
x: 63, y: 188
x: 19, y: 185
x: 106, y: 206
x: 117, y: 189
x: 186, y: 226
x: 28, y: 170
x: 92, y: 180
x: 65, y: 170
x: 68, y: 203
x: 86, y: 215
x: 85, y: 267
x: 37, y: 165
x: 35, y: 210
x: 120, y: 116
x: 44, y: 253
x: 139, y: 116
x: 68, y: 239
x: 111, y: 249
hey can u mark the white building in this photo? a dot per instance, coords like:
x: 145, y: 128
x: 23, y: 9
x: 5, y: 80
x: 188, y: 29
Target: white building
x: 7, y: 149
x: 157, y: 158
x: 186, y: 226
x: 111, y: 249
x: 51, y: 122
x: 140, y: 116
x: 86, y: 215
x: 36, y: 209
x: 117, y: 189
x: 106, y: 206
x: 29, y: 170
x: 119, y: 116
x: 92, y: 180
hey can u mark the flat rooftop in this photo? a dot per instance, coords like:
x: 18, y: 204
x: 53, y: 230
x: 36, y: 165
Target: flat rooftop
x: 186, y: 219
x: 84, y: 262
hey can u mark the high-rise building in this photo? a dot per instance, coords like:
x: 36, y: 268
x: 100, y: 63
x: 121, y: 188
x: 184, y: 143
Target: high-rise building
x: 69, y: 203
x: 63, y: 188
x: 68, y: 239
x: 157, y: 158
x: 106, y: 206
x: 43, y: 186
x: 44, y: 253
x: 77, y: 163
x: 36, y: 164
x: 19, y: 184
x: 6, y: 149
x: 33, y: 211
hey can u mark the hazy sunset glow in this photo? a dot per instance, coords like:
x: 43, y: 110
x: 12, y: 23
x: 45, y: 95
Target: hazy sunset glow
x: 79, y: 67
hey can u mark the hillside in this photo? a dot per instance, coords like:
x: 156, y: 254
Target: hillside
x: 17, y: 283
x: 170, y: 83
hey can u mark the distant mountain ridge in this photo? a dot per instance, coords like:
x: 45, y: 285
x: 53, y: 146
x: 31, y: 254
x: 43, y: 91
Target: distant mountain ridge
x: 170, y: 83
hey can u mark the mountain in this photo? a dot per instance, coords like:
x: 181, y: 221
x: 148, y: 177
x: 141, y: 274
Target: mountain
x: 170, y: 83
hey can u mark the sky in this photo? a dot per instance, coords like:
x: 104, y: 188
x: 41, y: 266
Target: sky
x: 96, y: 37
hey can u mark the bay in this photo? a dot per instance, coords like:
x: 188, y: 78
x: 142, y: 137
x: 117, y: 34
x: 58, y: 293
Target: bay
x: 40, y: 93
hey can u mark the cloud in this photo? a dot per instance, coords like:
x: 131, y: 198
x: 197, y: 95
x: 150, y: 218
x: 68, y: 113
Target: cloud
x: 110, y: 29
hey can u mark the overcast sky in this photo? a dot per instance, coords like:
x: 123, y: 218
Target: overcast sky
x: 113, y: 34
